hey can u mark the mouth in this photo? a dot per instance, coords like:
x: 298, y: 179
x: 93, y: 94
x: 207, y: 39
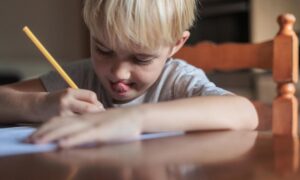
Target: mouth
x: 121, y: 88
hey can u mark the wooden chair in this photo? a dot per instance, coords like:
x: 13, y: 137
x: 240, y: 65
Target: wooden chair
x: 280, y: 55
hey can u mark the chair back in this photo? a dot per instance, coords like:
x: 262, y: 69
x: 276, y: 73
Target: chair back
x: 280, y: 55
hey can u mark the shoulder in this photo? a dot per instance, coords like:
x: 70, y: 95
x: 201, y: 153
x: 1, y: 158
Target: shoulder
x: 174, y: 62
x: 188, y: 80
x: 79, y: 64
x: 78, y: 71
x: 180, y: 68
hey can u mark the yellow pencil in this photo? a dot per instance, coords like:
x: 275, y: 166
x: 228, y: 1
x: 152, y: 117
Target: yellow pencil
x: 48, y: 56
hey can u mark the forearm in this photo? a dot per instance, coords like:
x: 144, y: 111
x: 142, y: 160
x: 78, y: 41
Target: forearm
x: 199, y: 113
x: 18, y: 106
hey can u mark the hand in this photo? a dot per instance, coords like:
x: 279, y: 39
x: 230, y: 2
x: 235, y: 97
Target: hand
x: 68, y: 102
x: 121, y: 124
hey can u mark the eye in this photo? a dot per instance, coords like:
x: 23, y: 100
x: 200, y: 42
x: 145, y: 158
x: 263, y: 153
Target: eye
x: 103, y: 51
x: 144, y: 60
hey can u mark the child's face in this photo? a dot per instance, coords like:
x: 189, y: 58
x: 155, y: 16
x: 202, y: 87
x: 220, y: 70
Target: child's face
x: 124, y: 74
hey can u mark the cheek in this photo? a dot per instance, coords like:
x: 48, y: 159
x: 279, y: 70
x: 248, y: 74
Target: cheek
x: 99, y: 66
x: 148, y: 75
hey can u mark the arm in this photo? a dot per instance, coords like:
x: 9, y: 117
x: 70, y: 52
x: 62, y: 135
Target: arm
x: 198, y: 113
x: 17, y: 101
x: 28, y: 101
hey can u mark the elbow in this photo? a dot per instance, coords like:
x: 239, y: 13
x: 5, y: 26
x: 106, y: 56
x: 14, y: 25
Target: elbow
x: 252, y: 116
x: 252, y: 122
x: 249, y: 117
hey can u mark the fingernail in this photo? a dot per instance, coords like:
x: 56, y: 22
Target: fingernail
x: 27, y: 140
x: 62, y: 144
x: 38, y: 140
x: 30, y: 139
x: 95, y: 109
x: 101, y: 108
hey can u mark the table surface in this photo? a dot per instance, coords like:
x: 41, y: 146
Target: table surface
x: 207, y: 155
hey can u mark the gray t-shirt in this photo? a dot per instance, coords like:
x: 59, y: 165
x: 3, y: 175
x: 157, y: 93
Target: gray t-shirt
x: 178, y: 80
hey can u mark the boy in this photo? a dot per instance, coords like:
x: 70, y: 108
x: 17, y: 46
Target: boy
x: 138, y: 86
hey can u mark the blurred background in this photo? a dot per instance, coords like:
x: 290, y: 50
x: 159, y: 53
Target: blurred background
x: 59, y: 26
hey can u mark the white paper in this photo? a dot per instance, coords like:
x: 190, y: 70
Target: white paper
x: 12, y: 140
x: 161, y: 135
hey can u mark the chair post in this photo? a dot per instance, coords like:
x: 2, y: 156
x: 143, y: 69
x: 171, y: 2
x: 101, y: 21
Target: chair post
x: 285, y: 74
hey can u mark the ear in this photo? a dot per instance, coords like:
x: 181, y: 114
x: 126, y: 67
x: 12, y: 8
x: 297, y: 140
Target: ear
x: 180, y: 42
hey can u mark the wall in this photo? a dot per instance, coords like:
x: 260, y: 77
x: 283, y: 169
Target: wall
x: 58, y: 25
x: 263, y: 15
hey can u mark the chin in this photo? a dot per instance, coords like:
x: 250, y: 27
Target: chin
x: 127, y: 97
x: 122, y: 98
x: 121, y: 101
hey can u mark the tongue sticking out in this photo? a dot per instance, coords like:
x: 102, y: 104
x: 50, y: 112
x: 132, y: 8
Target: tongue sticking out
x: 120, y: 87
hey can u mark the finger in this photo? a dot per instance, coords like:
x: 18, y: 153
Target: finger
x: 96, y: 135
x: 86, y: 95
x: 91, y: 136
x: 100, y: 105
x: 63, y: 132
x: 49, y: 126
x: 82, y: 107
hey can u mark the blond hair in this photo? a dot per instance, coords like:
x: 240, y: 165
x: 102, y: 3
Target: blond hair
x: 144, y: 23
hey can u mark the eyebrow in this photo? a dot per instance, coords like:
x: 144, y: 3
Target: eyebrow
x: 146, y: 55
x: 99, y: 43
x: 135, y: 54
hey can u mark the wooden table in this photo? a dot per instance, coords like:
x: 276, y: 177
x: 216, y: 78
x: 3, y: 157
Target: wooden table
x: 208, y: 155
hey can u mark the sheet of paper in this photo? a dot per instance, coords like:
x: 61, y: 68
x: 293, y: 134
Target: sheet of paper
x: 12, y: 140
x: 161, y: 135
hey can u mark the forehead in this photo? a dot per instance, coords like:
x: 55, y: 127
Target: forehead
x: 125, y: 47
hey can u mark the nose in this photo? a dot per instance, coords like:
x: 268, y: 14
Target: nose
x: 121, y: 70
